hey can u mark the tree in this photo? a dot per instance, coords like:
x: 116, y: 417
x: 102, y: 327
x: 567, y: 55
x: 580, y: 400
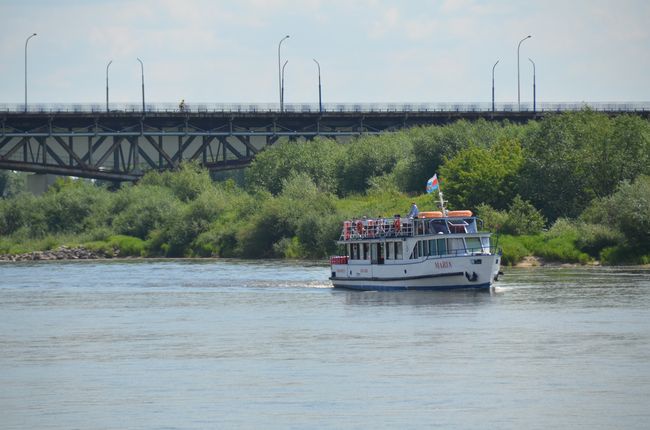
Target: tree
x: 369, y: 157
x: 11, y: 183
x: 143, y: 208
x: 627, y: 210
x: 432, y: 145
x: 483, y: 175
x: 187, y: 183
x: 318, y: 159
x: 572, y: 158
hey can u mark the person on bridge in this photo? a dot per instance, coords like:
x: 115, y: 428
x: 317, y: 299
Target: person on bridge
x: 181, y: 106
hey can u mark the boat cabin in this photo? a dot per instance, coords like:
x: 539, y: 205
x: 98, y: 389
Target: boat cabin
x: 393, y: 240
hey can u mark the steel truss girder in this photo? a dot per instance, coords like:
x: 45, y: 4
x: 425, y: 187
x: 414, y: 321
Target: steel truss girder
x: 124, y: 145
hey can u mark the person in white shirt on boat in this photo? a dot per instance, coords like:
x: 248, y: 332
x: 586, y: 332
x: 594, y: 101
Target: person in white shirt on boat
x: 413, y: 213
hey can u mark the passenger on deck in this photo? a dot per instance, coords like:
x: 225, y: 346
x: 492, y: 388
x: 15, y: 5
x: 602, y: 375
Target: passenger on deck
x: 413, y: 213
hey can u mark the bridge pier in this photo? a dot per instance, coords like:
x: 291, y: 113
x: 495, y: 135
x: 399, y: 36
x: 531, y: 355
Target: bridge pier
x: 39, y: 183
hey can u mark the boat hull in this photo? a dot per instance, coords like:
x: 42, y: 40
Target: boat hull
x: 429, y: 274
x: 362, y: 287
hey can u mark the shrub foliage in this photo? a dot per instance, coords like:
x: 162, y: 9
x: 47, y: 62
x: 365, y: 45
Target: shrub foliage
x: 584, y: 176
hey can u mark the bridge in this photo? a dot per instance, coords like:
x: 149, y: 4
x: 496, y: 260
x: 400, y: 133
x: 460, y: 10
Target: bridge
x: 123, y: 142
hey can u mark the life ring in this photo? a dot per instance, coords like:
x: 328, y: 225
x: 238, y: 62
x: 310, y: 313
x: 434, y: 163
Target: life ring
x: 434, y: 214
x: 459, y: 214
x: 397, y: 225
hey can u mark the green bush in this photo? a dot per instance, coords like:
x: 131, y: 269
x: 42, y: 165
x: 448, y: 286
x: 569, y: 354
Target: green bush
x: 22, y: 212
x: 69, y: 205
x: 523, y: 218
x: 12, y: 183
x: 559, y: 249
x: 493, y: 220
x: 317, y: 160
x: 593, y: 238
x: 100, y: 247
x: 186, y: 184
x: 588, y: 238
x: 266, y: 227
x: 368, y: 157
x: 128, y: 245
x: 219, y: 240
x: 290, y: 248
x: 514, y: 250
x: 478, y: 175
x: 144, y: 208
x: 627, y: 210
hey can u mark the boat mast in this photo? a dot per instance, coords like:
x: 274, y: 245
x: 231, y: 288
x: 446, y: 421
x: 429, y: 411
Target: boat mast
x: 441, y: 201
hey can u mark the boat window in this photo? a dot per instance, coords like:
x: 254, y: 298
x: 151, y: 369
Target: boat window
x: 457, y: 246
x: 355, y: 251
x: 474, y: 244
x: 398, y: 250
x: 432, y: 247
x: 485, y: 241
x: 414, y: 253
x: 374, y: 253
x: 387, y: 248
x: 442, y: 246
x: 458, y: 227
x: 439, y: 227
x: 365, y: 251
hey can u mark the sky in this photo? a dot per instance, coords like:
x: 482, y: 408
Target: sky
x: 370, y: 51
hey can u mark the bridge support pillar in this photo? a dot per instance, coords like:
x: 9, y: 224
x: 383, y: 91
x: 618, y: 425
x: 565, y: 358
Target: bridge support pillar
x: 38, y: 183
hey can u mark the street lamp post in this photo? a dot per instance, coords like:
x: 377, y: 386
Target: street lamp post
x: 26, y: 41
x: 142, y: 72
x: 495, y: 64
x: 518, y: 86
x: 320, y: 100
x: 107, y: 66
x: 534, y: 95
x: 282, y: 87
x: 279, y: 70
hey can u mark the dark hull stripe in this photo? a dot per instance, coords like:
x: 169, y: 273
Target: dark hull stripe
x: 405, y: 278
x: 407, y: 288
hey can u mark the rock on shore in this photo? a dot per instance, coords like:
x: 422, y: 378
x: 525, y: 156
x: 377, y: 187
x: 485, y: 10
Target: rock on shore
x: 61, y: 253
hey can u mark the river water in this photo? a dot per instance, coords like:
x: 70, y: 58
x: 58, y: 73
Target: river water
x: 228, y: 344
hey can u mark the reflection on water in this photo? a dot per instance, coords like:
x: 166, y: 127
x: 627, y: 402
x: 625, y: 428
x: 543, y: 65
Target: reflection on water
x: 236, y: 344
x: 415, y: 298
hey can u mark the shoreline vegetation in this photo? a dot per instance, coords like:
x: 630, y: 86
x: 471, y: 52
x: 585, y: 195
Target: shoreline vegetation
x: 571, y: 188
x: 81, y: 253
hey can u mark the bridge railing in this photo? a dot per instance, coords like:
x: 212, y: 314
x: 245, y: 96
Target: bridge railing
x: 328, y: 107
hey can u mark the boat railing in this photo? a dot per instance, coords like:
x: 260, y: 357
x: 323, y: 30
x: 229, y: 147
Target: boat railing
x: 448, y: 253
x: 377, y: 228
x: 480, y: 250
x: 373, y: 228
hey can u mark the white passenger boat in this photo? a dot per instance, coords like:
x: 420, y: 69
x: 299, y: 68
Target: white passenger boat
x: 439, y: 250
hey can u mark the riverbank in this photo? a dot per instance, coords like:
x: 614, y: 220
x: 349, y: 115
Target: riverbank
x: 83, y: 253
x: 61, y: 253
